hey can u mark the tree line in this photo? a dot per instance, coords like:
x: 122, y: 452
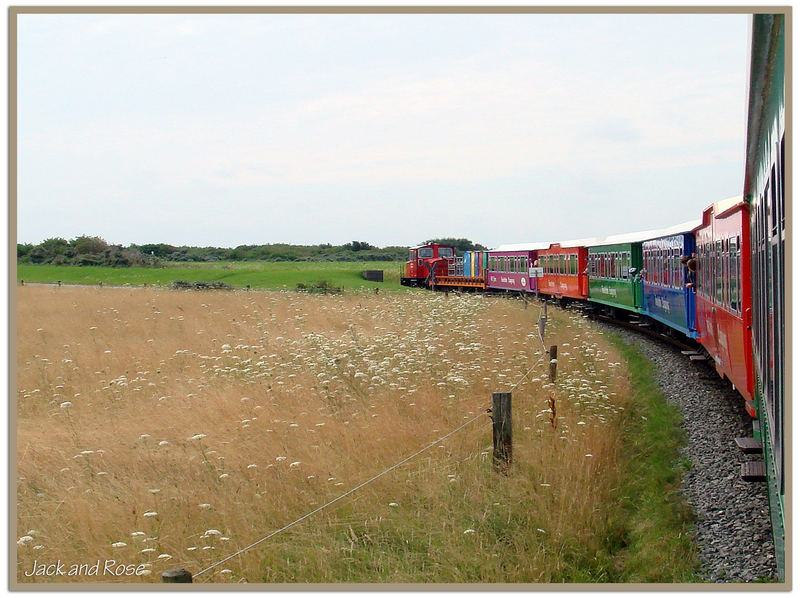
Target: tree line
x: 94, y: 251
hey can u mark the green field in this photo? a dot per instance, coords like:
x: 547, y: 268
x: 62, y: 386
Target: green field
x: 259, y: 275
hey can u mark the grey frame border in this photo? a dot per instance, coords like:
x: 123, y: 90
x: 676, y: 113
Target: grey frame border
x: 15, y: 11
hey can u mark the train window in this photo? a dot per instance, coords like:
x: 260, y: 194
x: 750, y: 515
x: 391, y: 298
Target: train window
x: 412, y: 255
x: 718, y: 273
x: 660, y: 266
x: 781, y: 192
x: 773, y: 202
x: 669, y: 269
x: 445, y: 252
x: 677, y: 268
x: 726, y: 272
x: 626, y: 264
x: 646, y: 262
x: 736, y: 253
x: 425, y: 252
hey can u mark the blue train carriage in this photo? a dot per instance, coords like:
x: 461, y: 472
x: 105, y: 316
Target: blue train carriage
x: 764, y: 192
x: 614, y: 269
x: 667, y: 298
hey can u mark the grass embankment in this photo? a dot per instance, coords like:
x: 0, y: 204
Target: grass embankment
x: 172, y: 428
x: 259, y: 275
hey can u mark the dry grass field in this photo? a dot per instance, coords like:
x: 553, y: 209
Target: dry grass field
x: 161, y: 429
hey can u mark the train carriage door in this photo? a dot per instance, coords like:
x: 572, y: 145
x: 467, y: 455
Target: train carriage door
x: 411, y: 270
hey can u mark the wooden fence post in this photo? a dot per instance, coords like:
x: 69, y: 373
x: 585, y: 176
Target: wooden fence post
x: 542, y: 322
x: 553, y: 362
x: 176, y: 576
x: 501, y: 430
x: 544, y: 309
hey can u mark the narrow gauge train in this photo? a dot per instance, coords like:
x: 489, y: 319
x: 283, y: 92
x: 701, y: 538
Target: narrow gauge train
x: 732, y: 305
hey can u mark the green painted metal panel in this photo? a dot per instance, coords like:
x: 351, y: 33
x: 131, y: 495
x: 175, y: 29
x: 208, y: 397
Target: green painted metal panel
x: 613, y: 292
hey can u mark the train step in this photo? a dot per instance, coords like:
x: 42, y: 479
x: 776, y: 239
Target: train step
x: 749, y: 445
x: 698, y: 357
x: 754, y: 471
x: 690, y: 352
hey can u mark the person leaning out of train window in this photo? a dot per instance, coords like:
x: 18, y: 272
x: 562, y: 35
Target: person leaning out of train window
x: 690, y: 263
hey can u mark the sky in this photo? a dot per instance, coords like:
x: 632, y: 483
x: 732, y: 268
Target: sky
x: 223, y: 130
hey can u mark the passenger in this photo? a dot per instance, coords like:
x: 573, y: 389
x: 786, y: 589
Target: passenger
x: 690, y: 263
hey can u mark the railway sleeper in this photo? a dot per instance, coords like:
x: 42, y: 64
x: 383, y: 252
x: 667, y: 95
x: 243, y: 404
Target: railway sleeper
x: 754, y: 471
x: 749, y: 445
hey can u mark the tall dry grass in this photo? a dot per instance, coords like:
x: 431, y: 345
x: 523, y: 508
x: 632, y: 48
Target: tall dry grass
x: 165, y: 428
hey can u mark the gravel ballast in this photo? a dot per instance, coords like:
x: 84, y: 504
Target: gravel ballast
x: 734, y: 536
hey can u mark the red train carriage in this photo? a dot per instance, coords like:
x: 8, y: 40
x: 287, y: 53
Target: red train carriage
x: 724, y: 303
x: 426, y: 262
x: 564, y: 270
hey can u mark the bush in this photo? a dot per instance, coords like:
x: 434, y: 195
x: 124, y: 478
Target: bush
x: 321, y: 286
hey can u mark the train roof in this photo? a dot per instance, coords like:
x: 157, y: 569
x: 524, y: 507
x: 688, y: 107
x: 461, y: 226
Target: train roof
x: 429, y: 245
x: 646, y: 235
x: 719, y: 209
x: 726, y: 204
x: 521, y: 247
x: 683, y: 227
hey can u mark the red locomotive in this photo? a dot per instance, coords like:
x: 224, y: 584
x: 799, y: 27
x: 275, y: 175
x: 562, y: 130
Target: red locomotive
x: 426, y: 263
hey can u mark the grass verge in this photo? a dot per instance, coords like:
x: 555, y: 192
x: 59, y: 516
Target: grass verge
x: 653, y: 534
x: 258, y: 275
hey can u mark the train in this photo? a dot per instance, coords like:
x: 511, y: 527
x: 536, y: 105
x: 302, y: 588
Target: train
x: 717, y: 281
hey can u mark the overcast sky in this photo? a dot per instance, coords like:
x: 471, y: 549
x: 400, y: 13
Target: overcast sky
x: 392, y: 129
